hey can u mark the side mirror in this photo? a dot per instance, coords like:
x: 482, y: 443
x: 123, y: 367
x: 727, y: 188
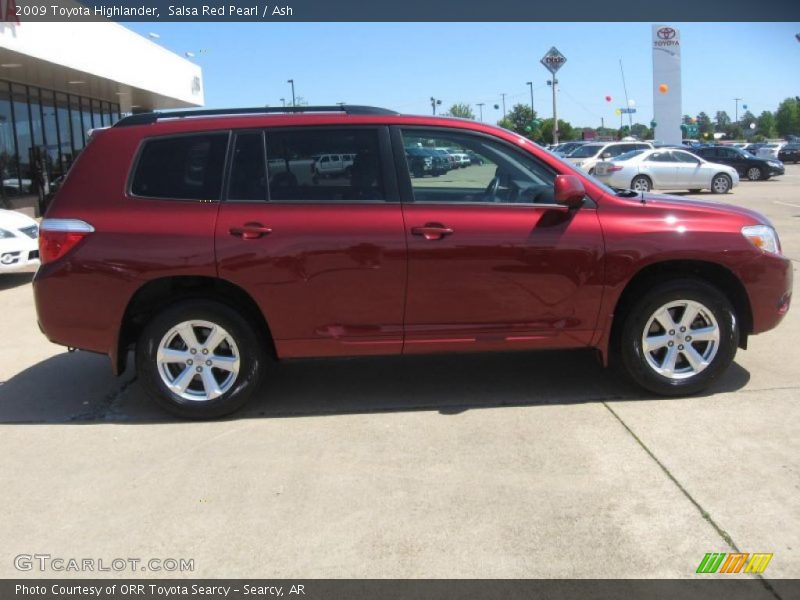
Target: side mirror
x: 605, y: 155
x: 569, y: 191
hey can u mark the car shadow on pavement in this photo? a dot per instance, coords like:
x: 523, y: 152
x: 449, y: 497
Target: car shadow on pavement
x: 79, y: 387
x: 12, y: 280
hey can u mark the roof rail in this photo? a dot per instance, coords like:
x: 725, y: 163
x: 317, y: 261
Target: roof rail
x: 152, y: 117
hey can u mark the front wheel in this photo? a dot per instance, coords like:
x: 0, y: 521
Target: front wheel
x: 721, y: 183
x: 200, y: 359
x: 679, y: 337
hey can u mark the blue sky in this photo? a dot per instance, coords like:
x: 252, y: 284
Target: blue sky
x: 401, y: 65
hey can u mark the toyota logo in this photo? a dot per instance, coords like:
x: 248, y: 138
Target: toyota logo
x: 666, y: 33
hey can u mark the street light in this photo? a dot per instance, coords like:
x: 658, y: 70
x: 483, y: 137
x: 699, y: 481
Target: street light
x: 530, y: 85
x: 434, y: 103
x: 292, y: 82
x: 504, y: 105
x: 283, y: 102
x: 480, y: 107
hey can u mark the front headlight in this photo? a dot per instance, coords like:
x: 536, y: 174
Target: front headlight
x: 762, y: 237
x: 6, y: 234
x: 774, y: 163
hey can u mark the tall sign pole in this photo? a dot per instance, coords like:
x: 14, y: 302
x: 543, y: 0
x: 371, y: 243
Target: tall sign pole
x: 553, y: 60
x: 667, y: 112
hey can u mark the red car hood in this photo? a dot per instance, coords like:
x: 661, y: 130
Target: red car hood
x: 664, y: 201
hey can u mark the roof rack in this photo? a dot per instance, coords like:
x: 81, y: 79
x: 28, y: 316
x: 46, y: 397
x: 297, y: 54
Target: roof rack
x: 152, y: 117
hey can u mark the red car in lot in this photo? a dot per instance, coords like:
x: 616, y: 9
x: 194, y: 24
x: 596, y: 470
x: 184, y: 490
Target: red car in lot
x: 203, y: 241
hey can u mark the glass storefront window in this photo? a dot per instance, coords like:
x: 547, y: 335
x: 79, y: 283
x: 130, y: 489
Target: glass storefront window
x: 86, y: 112
x: 50, y: 126
x: 22, y: 125
x: 77, y: 125
x: 8, y: 151
x: 97, y: 115
x: 64, y: 131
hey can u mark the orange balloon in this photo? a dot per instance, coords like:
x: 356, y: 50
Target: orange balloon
x: 663, y: 88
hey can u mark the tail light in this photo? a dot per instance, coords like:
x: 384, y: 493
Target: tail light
x: 58, y: 236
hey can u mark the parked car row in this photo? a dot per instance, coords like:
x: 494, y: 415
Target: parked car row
x: 438, y: 161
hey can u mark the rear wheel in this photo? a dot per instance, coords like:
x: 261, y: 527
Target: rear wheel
x: 679, y: 337
x: 754, y: 173
x: 641, y: 183
x: 200, y: 359
x: 721, y: 183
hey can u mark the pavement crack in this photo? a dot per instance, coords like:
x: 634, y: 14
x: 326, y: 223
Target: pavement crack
x: 703, y: 512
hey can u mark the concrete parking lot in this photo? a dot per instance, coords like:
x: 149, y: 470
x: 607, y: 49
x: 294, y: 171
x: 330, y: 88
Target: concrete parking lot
x: 516, y: 465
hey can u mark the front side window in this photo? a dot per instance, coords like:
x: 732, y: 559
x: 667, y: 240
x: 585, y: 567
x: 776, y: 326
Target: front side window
x: 502, y: 174
x: 324, y: 165
x: 187, y: 167
x: 586, y: 151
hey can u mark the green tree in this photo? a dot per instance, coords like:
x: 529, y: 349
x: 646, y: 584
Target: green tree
x: 565, y: 131
x: 734, y: 131
x: 787, y: 117
x: 722, y: 120
x: 765, y: 125
x: 520, y: 119
x: 748, y: 118
x: 704, y: 124
x: 462, y: 110
x: 643, y: 132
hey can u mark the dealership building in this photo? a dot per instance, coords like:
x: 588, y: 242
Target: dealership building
x: 60, y: 80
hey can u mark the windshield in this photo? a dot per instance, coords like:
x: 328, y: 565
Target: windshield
x: 585, y: 151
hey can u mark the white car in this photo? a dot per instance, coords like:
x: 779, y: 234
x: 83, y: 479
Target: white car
x: 586, y: 156
x: 666, y: 169
x: 19, y: 242
x: 770, y: 151
x: 333, y: 165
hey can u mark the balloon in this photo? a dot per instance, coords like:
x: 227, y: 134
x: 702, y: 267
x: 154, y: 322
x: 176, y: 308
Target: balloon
x: 618, y: 112
x: 693, y: 120
x: 608, y: 98
x: 631, y: 103
x: 752, y: 125
x: 744, y: 106
x: 663, y: 88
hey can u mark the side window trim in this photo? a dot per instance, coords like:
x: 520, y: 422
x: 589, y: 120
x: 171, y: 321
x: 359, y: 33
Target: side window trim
x: 138, y: 156
x: 229, y: 164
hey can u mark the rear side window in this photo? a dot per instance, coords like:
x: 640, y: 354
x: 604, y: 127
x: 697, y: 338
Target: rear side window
x: 187, y: 167
x: 324, y: 165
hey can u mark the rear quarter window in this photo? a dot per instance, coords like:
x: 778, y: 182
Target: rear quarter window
x: 187, y: 167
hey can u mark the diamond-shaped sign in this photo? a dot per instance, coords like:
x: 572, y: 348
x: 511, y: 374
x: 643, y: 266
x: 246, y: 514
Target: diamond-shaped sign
x: 553, y: 60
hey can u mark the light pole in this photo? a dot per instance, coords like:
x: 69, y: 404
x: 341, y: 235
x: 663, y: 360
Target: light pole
x: 434, y: 103
x: 530, y: 85
x: 554, y: 84
x: 480, y: 108
x: 737, y: 109
x: 504, y: 106
x: 292, y: 82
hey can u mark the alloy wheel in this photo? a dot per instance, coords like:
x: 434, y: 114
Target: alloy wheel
x: 754, y: 174
x: 680, y: 339
x: 198, y: 360
x: 720, y: 184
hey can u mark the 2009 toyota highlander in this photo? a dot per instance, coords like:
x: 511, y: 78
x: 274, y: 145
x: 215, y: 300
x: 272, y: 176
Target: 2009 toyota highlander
x: 205, y: 241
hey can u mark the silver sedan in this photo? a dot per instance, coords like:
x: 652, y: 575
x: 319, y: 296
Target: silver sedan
x: 666, y: 169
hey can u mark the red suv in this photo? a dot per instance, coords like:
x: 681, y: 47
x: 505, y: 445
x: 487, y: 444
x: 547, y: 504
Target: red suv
x: 204, y: 241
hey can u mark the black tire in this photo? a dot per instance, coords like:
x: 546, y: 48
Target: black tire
x: 754, y: 174
x: 253, y: 359
x: 637, y: 318
x: 717, y: 188
x: 642, y: 180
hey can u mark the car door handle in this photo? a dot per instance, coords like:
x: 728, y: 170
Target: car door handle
x: 250, y: 231
x: 432, y: 231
